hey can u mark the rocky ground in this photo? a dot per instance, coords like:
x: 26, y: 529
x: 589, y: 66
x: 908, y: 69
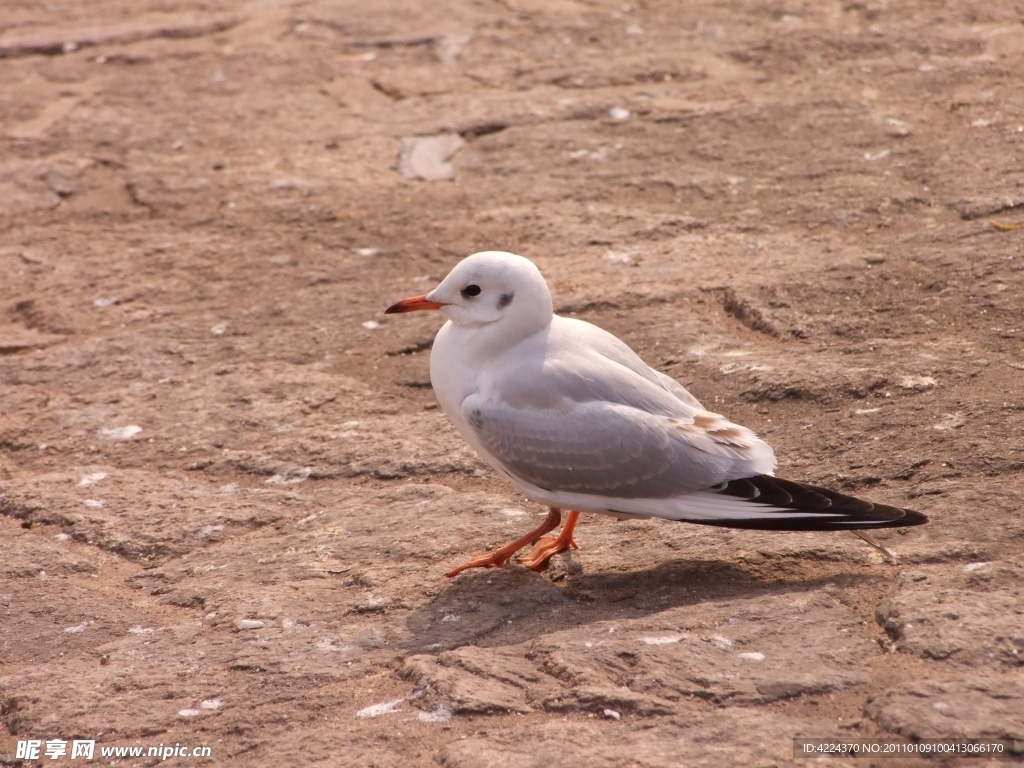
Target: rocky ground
x: 228, y: 496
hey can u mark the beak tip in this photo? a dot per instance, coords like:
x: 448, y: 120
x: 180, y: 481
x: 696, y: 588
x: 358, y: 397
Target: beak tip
x: 415, y: 304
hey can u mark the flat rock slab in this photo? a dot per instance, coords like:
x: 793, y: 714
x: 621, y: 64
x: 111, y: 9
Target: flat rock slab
x: 734, y: 653
x: 972, y: 616
x: 689, y: 738
x: 53, y: 41
x: 969, y: 708
x: 18, y: 339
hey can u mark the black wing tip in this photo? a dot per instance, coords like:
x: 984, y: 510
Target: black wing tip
x: 821, y: 505
x: 911, y: 517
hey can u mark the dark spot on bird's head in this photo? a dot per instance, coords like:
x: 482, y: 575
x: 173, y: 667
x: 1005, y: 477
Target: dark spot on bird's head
x: 505, y: 299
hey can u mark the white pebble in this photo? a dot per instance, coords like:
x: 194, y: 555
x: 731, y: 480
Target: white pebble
x: 140, y: 630
x: 616, y: 257
x: 376, y: 710
x: 189, y: 712
x: 367, y: 251
x: 371, y: 324
x: 973, y: 567
x: 752, y: 656
x: 611, y: 714
x: 917, y: 382
x: 212, y: 704
x: 250, y: 624
x: 440, y: 715
x: 290, y: 476
x: 426, y: 157
x: 618, y: 113
x: 91, y: 479
x: 76, y: 629
x: 105, y: 301
x: 666, y: 640
x: 219, y: 329
x: 120, y: 433
x: 949, y: 421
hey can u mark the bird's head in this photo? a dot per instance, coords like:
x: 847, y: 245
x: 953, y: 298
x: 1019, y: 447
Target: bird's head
x: 488, y: 288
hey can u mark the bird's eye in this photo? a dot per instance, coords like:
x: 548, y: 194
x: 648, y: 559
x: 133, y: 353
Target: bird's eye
x: 471, y: 290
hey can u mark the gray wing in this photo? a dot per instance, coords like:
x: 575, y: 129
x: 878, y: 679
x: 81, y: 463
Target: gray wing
x: 612, y: 449
x: 677, y: 389
x: 583, y: 335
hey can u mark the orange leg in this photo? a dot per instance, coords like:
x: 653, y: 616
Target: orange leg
x: 548, y: 546
x: 501, y: 556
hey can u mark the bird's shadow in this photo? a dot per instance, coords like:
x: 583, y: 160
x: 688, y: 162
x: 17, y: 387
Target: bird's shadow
x: 510, y: 605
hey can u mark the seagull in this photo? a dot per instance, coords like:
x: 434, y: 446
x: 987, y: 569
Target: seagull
x: 576, y: 420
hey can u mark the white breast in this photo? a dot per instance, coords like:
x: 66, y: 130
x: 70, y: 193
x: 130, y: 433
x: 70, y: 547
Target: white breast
x: 454, y: 375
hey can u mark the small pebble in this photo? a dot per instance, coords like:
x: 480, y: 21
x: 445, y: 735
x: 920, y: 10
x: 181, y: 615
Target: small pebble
x: 250, y: 624
x: 376, y: 710
x: 426, y: 157
x: 440, y: 715
x: 611, y: 714
x: 667, y: 640
x: 120, y: 433
x: 91, y: 479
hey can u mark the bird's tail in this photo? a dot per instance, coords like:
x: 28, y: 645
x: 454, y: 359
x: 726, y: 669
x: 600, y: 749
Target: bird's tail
x: 764, y: 502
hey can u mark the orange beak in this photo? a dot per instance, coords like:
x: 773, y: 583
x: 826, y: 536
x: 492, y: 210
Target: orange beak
x: 415, y: 304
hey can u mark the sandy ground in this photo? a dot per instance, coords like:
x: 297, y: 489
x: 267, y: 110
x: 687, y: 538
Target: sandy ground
x: 205, y: 419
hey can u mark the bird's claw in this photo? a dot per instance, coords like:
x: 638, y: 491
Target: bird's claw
x: 490, y: 560
x: 546, y: 547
